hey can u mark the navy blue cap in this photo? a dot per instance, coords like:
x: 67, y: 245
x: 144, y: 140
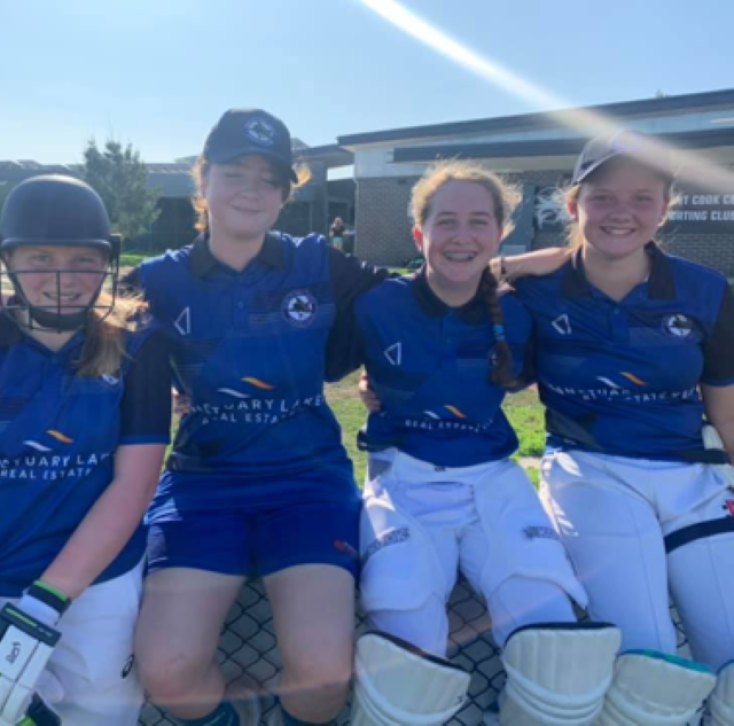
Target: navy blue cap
x: 632, y: 144
x: 250, y: 131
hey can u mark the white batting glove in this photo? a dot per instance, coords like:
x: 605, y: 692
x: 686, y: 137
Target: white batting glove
x: 28, y: 637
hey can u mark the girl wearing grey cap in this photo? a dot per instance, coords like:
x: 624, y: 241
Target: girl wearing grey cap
x: 258, y: 481
x: 634, y: 358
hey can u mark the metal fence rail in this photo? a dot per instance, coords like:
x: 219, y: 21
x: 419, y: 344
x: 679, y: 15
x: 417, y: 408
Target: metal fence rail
x: 248, y: 646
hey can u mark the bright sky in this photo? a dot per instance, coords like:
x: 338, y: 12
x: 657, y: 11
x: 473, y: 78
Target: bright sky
x: 158, y: 73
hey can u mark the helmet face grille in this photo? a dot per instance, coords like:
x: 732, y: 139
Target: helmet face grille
x: 57, y: 211
x: 60, y: 314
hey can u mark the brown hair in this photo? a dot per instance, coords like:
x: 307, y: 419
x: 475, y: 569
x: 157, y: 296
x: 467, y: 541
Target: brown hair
x: 201, y: 169
x: 505, y: 198
x: 571, y: 194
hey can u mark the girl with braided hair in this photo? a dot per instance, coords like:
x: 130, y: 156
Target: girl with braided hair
x: 441, y: 349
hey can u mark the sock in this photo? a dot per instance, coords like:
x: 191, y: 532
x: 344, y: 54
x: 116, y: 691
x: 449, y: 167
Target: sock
x: 223, y: 715
x: 289, y: 720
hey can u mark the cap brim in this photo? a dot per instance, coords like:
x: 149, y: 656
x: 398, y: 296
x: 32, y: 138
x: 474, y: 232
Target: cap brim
x: 227, y: 157
x: 659, y: 168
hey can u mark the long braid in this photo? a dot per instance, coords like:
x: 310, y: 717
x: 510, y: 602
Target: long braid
x: 500, y: 359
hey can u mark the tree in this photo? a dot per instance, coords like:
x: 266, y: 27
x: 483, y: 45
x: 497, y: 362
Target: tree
x: 120, y: 177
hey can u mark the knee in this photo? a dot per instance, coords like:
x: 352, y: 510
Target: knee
x: 326, y: 674
x: 426, y: 627
x: 169, y: 675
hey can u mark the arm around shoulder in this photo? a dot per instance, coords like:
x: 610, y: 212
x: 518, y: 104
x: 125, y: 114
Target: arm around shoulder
x: 538, y: 262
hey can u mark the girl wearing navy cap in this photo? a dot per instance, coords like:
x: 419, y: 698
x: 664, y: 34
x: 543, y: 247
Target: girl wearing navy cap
x: 85, y: 413
x: 634, y: 358
x: 258, y: 482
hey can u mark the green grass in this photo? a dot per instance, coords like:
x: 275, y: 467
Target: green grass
x: 132, y: 258
x: 347, y: 406
x: 525, y: 413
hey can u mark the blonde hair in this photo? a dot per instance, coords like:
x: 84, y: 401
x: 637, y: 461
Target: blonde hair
x: 571, y: 194
x: 505, y: 199
x: 201, y: 169
x: 505, y: 196
x: 104, y: 340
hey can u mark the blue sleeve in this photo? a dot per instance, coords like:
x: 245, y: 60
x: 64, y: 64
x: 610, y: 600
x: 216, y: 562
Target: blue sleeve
x: 350, y: 278
x: 719, y: 344
x: 146, y: 403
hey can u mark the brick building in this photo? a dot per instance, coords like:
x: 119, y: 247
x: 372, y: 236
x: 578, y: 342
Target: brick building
x: 537, y: 153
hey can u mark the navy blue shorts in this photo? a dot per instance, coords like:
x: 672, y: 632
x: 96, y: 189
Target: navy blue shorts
x: 258, y: 541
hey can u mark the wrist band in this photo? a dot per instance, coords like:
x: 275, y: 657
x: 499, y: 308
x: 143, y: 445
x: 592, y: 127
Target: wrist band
x: 50, y: 596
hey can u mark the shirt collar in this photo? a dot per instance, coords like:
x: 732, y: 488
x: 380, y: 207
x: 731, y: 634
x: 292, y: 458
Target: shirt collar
x: 203, y: 261
x: 660, y: 284
x: 474, y: 311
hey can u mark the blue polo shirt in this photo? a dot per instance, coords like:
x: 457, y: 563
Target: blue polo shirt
x: 249, y: 348
x: 623, y: 377
x: 58, y: 436
x: 429, y: 365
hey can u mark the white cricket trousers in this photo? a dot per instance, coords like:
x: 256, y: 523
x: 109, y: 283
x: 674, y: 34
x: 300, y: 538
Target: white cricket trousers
x: 639, y: 531
x: 421, y: 524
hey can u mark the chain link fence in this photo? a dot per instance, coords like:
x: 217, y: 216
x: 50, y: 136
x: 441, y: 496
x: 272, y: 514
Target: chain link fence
x: 247, y: 646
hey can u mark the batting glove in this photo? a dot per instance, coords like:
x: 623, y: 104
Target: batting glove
x: 28, y: 636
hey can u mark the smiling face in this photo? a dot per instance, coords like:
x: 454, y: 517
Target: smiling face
x: 243, y: 197
x: 619, y: 209
x: 459, y: 236
x: 59, y: 279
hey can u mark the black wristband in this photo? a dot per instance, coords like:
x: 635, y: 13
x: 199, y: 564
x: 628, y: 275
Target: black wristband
x: 49, y: 596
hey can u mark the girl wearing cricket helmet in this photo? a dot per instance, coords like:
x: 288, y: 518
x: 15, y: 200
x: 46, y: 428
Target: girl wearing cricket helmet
x: 84, y: 419
x: 634, y: 359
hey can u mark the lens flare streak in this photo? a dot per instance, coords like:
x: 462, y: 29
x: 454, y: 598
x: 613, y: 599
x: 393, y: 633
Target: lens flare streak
x: 693, y: 167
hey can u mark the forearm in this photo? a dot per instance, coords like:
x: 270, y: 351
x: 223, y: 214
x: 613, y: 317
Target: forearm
x: 105, y: 530
x: 719, y: 405
x: 538, y: 262
x: 726, y: 432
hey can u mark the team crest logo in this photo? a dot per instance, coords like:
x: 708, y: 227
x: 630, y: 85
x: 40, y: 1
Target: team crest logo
x: 729, y: 506
x: 299, y: 308
x: 111, y: 381
x: 260, y: 131
x: 679, y: 326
